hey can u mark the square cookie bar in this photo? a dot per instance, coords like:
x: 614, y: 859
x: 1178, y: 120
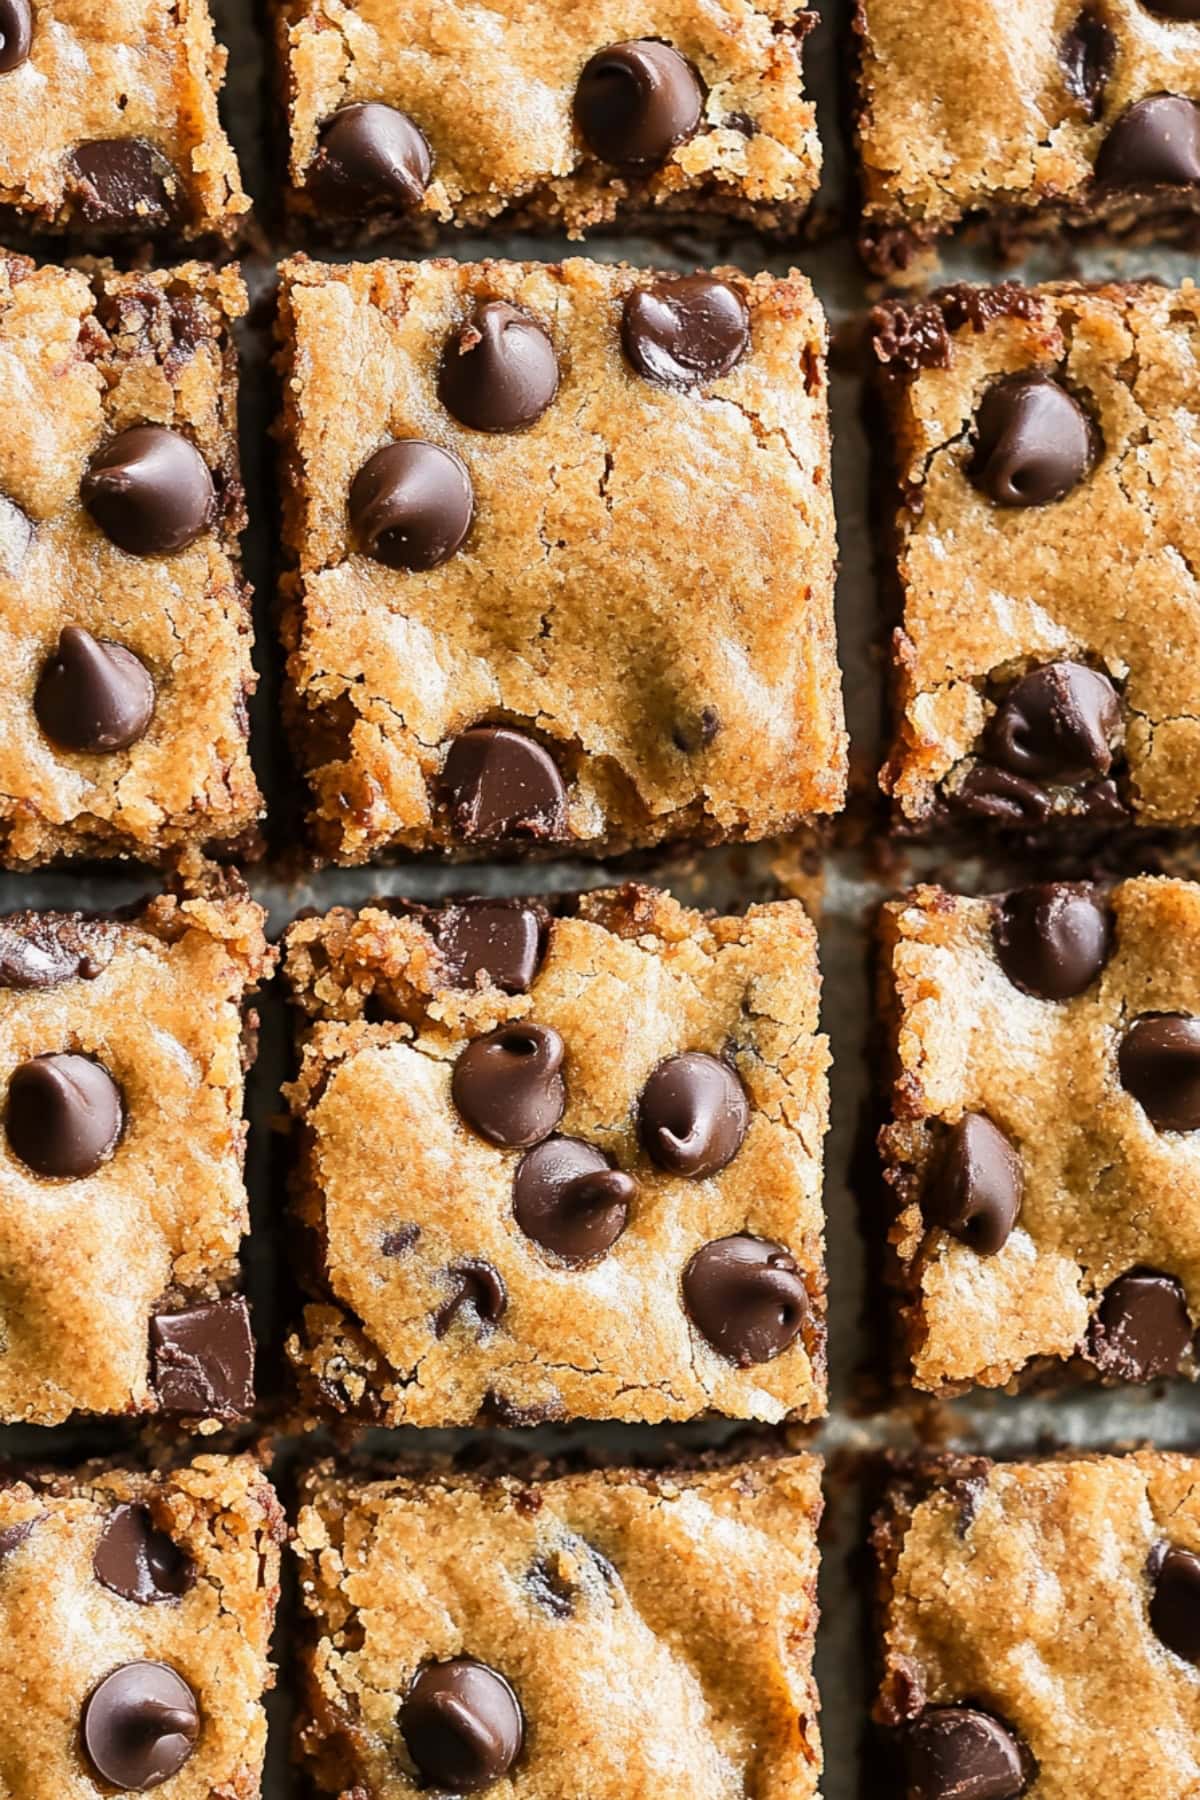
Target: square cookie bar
x: 1039, y: 1629
x: 553, y: 1637
x: 532, y: 113
x: 1043, y: 1147
x: 1044, y: 548
x: 511, y: 622
x: 108, y: 120
x: 135, y: 1614
x: 122, y: 1208
x: 1028, y: 118
x: 125, y: 628
x: 560, y: 1165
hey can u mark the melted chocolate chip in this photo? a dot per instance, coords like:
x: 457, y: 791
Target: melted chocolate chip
x: 1053, y: 940
x: 998, y: 795
x: 33, y: 956
x: 370, y: 155
x: 747, y: 1297
x: 499, y: 371
x: 1186, y: 10
x: 508, y: 1086
x: 1155, y: 143
x: 462, y: 1725
x: 1141, y: 1328
x: 960, y: 1753
x: 16, y: 34
x: 498, y: 783
x: 93, y: 696
x: 685, y: 330
x: 400, y: 1241
x: 139, y: 1563
x: 637, y: 101
x: 502, y: 941
x: 975, y: 1185
x: 478, y: 1286
x: 13, y: 1536
x: 1087, y: 52
x: 140, y: 1725
x: 1175, y: 1600
x: 150, y: 491
x: 568, y: 1199
x: 1159, y: 1064
x: 693, y: 1114
x: 411, y: 505
x: 1057, y: 724
x: 124, y: 184
x: 204, y: 1360
x: 551, y: 1588
x: 64, y: 1115
x: 1034, y: 443
x: 692, y: 735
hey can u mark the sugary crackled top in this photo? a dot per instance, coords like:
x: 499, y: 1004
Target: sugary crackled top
x: 118, y: 1568
x: 492, y: 89
x: 137, y: 77
x: 1032, y: 1592
x: 647, y: 582
x: 1098, y: 1115
x: 437, y: 1303
x: 82, y: 362
x: 86, y: 1259
x: 1105, y: 576
x: 655, y: 1631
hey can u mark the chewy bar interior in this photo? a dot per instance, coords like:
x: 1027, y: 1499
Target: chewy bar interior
x: 125, y: 629
x: 560, y: 1165
x: 1038, y: 1628
x: 1043, y: 1145
x: 510, y: 621
x: 1031, y: 118
x: 566, y: 115
x: 1044, y: 549
x: 122, y: 1208
x: 652, y: 1629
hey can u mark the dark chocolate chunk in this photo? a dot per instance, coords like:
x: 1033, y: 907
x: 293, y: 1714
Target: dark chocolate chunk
x: 16, y: 34
x: 1159, y: 1063
x: 124, y: 184
x: 138, y: 1562
x: 204, y: 1360
x: 960, y: 1753
x: 636, y: 101
x: 747, y: 1297
x: 685, y: 330
x: 411, y: 505
x: 150, y: 491
x: 975, y: 1185
x: 503, y: 941
x: 568, y: 1199
x: 140, y: 1725
x: 33, y: 955
x: 508, y: 1086
x: 1155, y: 143
x: 13, y: 1536
x: 93, y: 696
x: 400, y: 1241
x: 477, y: 1285
x: 499, y: 370
x: 1175, y: 1600
x: 1087, y: 53
x: 497, y: 783
x: 1057, y: 724
x: 1053, y: 940
x: 462, y: 1725
x: 1141, y: 1328
x: 370, y: 155
x: 693, y: 1114
x: 1033, y: 442
x: 1001, y: 797
x: 64, y: 1115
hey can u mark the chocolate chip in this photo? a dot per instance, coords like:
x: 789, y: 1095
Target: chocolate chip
x: 92, y: 695
x: 1159, y: 1063
x: 1175, y: 1600
x: 204, y: 1360
x: 975, y: 1185
x: 140, y: 1725
x: 150, y: 491
x: 693, y: 1114
x: 1033, y: 442
x: 124, y: 183
x: 499, y: 940
x: 1173, y: 9
x: 477, y: 1285
x: 462, y: 1725
x: 508, y: 1086
x: 63, y: 1116
x: 33, y: 956
x: 691, y: 737
x: 636, y: 101
x: 568, y: 1199
x: 498, y: 783
x: 1141, y: 1328
x: 13, y: 1536
x: 747, y: 1297
x: 960, y: 1753
x: 1053, y: 940
x: 16, y: 34
x: 499, y: 371
x: 370, y: 155
x: 1057, y: 724
x: 400, y: 1241
x: 551, y: 1589
x: 411, y: 505
x: 1087, y: 52
x: 685, y: 330
x: 1156, y: 142
x: 986, y: 792
x: 139, y: 1563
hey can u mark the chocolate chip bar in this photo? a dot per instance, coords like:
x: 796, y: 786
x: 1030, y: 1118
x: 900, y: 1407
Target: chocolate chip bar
x: 1044, y: 546
x: 509, y: 627
x: 135, y: 1613
x: 122, y: 1207
x: 559, y: 1164
x: 1027, y: 120
x: 1045, y: 1050
x: 411, y: 118
x: 1038, y: 1628
x: 462, y: 1628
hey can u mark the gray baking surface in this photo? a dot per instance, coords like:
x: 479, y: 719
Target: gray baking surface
x: 993, y: 1423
